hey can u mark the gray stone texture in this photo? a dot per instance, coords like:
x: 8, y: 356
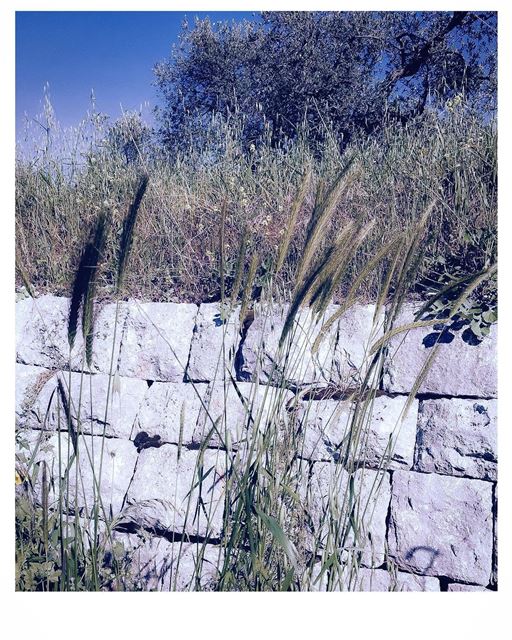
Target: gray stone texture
x: 85, y: 481
x: 41, y: 333
x: 33, y: 391
x: 382, y: 434
x: 373, y: 580
x: 164, y: 494
x: 357, y: 330
x: 44, y: 403
x: 458, y: 438
x: 237, y: 411
x: 294, y: 362
x: 99, y: 405
x: 441, y: 526
x: 119, y: 457
x: 159, y: 565
x: 214, y: 343
x: 327, y: 496
x: 457, y: 368
x: 156, y: 340
x: 454, y: 586
x: 171, y: 410
x: 109, y: 328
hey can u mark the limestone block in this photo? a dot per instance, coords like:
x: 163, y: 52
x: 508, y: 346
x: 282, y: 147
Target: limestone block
x: 170, y: 409
x: 327, y: 500
x: 458, y: 438
x: 156, y: 340
x: 357, y: 330
x: 165, y: 491
x: 294, y: 362
x: 412, y: 582
x: 109, y: 329
x: 457, y: 368
x: 372, y: 580
x: 119, y: 457
x: 89, y: 407
x: 31, y: 403
x: 441, y: 526
x: 381, y: 432
x: 159, y: 565
x: 47, y: 402
x: 454, y: 586
x: 235, y: 412
x: 41, y: 333
x: 214, y: 343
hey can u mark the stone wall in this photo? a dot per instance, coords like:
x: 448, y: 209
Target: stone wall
x: 433, y: 524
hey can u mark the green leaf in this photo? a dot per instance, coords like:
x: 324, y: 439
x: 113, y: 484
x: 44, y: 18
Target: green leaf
x: 485, y: 329
x: 490, y: 316
x: 287, y: 579
x: 279, y: 536
x: 476, y: 328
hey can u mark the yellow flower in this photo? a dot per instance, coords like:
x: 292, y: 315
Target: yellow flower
x: 19, y: 479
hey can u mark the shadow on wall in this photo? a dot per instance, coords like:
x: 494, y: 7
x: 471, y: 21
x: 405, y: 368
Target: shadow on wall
x: 423, y: 557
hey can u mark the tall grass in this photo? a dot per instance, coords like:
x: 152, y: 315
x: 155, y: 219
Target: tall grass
x: 61, y: 189
x: 275, y: 227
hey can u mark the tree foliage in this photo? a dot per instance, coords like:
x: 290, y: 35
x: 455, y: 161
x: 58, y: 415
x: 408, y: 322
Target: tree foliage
x: 349, y: 70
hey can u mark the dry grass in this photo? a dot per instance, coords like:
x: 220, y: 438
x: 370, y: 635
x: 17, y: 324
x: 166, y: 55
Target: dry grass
x: 61, y: 189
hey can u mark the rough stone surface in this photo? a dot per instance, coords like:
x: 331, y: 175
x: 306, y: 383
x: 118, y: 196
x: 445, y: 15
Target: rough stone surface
x: 41, y: 333
x: 441, y: 526
x: 214, y: 343
x: 119, y: 458
x: 156, y: 340
x: 454, y: 586
x: 374, y: 580
x: 295, y: 362
x: 458, y: 438
x: 457, y: 369
x: 357, y: 332
x: 89, y: 407
x: 411, y: 582
x: 435, y: 521
x: 163, y: 495
x: 235, y: 411
x: 21, y: 293
x: 159, y: 565
x: 109, y: 328
x: 170, y: 409
x: 383, y: 434
x: 327, y: 495
x: 30, y: 402
x: 47, y: 399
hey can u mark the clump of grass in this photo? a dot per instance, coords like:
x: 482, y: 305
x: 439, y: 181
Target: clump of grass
x: 60, y: 192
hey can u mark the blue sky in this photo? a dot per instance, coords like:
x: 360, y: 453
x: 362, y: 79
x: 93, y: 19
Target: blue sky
x: 110, y: 52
